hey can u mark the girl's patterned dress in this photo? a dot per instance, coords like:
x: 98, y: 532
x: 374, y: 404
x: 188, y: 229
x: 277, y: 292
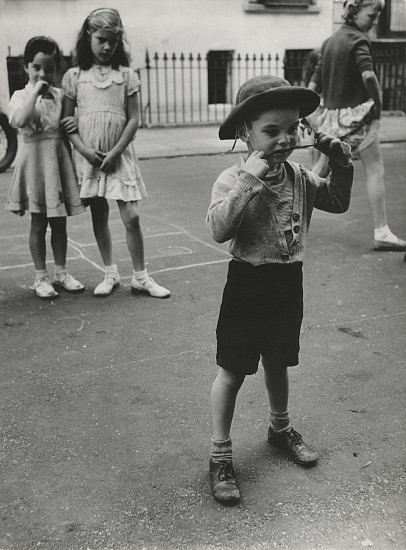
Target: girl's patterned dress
x: 44, y: 180
x: 101, y: 97
x: 353, y: 125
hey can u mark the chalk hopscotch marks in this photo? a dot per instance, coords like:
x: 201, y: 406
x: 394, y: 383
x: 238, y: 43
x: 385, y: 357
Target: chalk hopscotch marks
x: 170, y: 247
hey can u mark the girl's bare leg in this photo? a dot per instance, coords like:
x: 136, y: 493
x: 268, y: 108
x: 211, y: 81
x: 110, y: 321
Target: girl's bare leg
x: 99, y: 208
x: 59, y: 240
x: 141, y: 281
x: 384, y: 239
x: 135, y: 241
x: 36, y: 240
x: 42, y: 285
x: 375, y: 181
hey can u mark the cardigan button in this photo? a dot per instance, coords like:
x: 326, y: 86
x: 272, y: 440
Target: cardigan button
x: 296, y: 217
x: 296, y: 229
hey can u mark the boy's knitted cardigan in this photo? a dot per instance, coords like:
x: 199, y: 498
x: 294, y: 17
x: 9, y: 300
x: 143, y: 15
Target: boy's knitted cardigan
x: 242, y: 211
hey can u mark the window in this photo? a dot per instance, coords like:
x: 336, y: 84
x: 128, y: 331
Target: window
x: 281, y: 6
x: 219, y: 68
x: 392, y: 22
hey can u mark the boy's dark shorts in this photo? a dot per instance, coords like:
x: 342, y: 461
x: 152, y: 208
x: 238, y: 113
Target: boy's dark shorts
x: 261, y: 314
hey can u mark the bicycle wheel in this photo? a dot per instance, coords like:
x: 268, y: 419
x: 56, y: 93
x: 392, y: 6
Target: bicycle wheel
x: 8, y: 143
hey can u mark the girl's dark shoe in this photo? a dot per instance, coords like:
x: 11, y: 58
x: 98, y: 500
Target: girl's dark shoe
x: 291, y: 441
x: 222, y: 482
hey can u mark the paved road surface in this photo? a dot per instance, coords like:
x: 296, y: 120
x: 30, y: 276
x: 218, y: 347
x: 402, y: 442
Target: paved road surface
x: 105, y: 403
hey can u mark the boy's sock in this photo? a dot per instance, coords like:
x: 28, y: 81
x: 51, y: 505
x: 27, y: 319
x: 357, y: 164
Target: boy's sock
x: 279, y: 421
x: 40, y: 274
x: 221, y: 451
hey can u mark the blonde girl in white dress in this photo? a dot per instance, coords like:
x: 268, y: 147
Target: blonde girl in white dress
x: 44, y: 181
x: 104, y: 92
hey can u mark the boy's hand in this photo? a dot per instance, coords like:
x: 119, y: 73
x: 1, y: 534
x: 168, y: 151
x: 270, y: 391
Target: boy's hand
x: 334, y: 148
x: 69, y: 125
x: 255, y: 164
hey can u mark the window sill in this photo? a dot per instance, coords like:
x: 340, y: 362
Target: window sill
x: 251, y: 7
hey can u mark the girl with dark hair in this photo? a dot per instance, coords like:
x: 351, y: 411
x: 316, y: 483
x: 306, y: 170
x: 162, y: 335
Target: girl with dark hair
x: 105, y: 92
x: 44, y: 181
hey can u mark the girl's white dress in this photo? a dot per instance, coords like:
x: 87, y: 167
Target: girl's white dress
x: 44, y: 180
x: 101, y: 97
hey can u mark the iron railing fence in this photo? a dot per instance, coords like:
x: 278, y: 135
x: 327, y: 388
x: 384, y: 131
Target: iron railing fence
x: 192, y: 89
x: 181, y: 89
x: 390, y: 65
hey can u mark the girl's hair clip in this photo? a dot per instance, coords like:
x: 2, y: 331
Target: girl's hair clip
x: 101, y: 10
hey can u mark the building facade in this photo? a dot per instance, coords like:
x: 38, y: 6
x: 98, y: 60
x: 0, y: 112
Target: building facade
x: 191, y: 54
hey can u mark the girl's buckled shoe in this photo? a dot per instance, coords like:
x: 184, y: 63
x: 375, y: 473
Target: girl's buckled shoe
x: 69, y: 283
x: 110, y: 281
x: 44, y: 289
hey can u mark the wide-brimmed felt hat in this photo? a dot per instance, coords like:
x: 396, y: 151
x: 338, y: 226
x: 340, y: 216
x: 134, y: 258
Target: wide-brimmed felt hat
x: 267, y: 92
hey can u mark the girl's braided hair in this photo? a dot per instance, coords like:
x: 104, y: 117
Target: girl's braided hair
x: 352, y: 7
x: 101, y: 18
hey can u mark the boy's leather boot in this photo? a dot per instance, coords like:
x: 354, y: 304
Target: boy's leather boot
x: 222, y: 482
x: 292, y: 442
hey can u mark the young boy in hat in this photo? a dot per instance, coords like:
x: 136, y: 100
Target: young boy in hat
x: 263, y: 208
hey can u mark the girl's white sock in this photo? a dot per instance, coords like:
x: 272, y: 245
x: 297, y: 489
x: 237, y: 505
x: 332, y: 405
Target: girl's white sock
x: 60, y: 270
x: 40, y: 274
x: 111, y: 268
x: 384, y: 234
x: 141, y: 275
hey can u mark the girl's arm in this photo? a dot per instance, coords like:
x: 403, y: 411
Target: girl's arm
x: 94, y: 157
x: 365, y: 65
x: 24, y: 114
x: 372, y: 86
x: 126, y: 137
